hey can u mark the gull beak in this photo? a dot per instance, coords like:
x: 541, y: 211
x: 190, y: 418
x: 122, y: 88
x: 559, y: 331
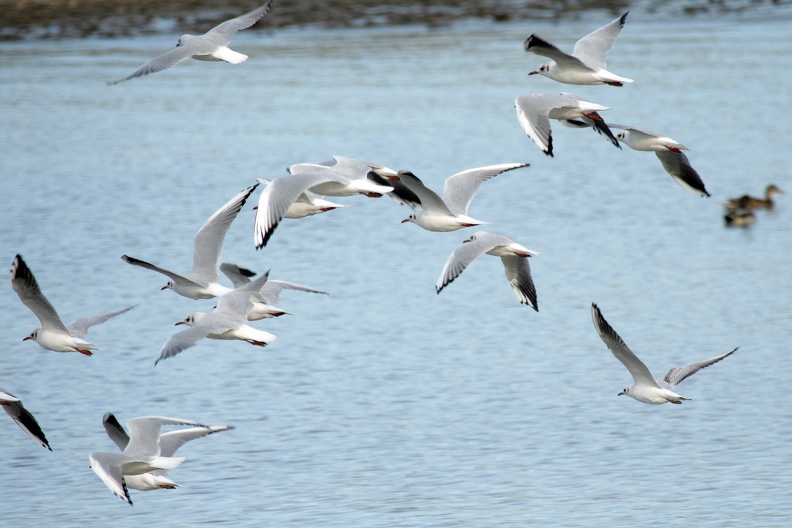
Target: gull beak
x: 621, y: 393
x: 468, y: 240
x: 405, y: 220
x: 180, y: 323
x: 533, y: 73
x: 393, y: 177
x: 164, y: 287
x: 27, y: 338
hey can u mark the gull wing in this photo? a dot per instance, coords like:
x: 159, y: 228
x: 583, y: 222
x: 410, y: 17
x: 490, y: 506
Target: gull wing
x: 533, y: 114
x: 270, y: 292
x: 639, y: 372
x: 678, y: 166
x: 592, y: 48
x: 210, y: 237
x: 460, y: 188
x: 677, y: 375
x: 80, y: 327
x: 226, y: 30
x: 181, y: 341
x: 24, y: 283
x: 518, y: 273
x: 464, y: 255
x: 237, y: 275
x: 23, y: 418
x: 115, y: 431
x: 144, y: 434
x: 534, y: 44
x: 161, y: 62
x: 171, y: 441
x: 428, y: 198
x: 175, y: 277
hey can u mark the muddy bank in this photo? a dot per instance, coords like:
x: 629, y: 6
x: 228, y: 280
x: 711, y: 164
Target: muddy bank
x: 42, y: 19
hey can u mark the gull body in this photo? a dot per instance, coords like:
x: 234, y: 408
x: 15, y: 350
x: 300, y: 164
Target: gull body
x: 586, y: 64
x: 211, y: 46
x: 201, y: 282
x: 227, y: 321
x: 53, y: 334
x: 535, y: 111
x: 450, y: 212
x: 169, y: 443
x: 513, y: 256
x: 646, y: 389
x: 23, y: 418
x: 268, y: 296
x: 308, y: 203
x: 346, y: 177
x: 142, y: 454
x: 670, y: 154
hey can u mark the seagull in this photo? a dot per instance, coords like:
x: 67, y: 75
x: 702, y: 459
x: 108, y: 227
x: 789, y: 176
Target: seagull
x: 169, y: 443
x: 347, y: 177
x: 227, y: 321
x: 211, y: 46
x: 53, y: 334
x: 14, y: 408
x: 646, y: 389
x: 141, y: 455
x: 670, y: 154
x: 307, y: 204
x: 586, y: 65
x: 201, y: 282
x: 535, y: 111
x: 514, y: 258
x: 268, y: 295
x: 449, y: 212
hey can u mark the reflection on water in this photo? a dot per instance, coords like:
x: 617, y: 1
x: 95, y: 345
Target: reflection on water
x: 385, y: 404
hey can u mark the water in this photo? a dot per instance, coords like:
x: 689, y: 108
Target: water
x: 385, y: 404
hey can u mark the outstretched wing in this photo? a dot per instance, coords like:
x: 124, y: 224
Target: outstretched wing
x: 592, y: 48
x: 80, y: 327
x: 229, y: 28
x: 677, y: 375
x: 24, y: 283
x: 460, y: 188
x: 639, y: 372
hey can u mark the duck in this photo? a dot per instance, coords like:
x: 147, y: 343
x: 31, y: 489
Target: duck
x: 750, y: 202
x: 741, y: 215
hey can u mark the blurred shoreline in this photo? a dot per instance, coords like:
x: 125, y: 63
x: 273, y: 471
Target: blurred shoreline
x: 56, y: 19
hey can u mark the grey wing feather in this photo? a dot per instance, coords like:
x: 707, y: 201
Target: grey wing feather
x: 533, y: 114
x: 24, y: 283
x: 210, y: 237
x: 592, y: 48
x: 237, y: 275
x: 181, y: 341
x: 677, y: 375
x: 171, y: 441
x: 115, y: 431
x: 639, y: 372
x: 80, y: 327
x: 428, y: 198
x: 26, y: 421
x: 179, y: 279
x: 518, y: 272
x: 678, y: 166
x: 229, y: 28
x: 162, y: 62
x: 460, y: 188
x: 270, y: 292
x: 539, y: 46
x: 459, y: 260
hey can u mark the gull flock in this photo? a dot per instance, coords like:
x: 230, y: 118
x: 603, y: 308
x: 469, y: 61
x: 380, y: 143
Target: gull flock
x: 146, y: 453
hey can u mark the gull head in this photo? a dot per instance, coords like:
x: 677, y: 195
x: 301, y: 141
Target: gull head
x: 544, y: 69
x: 170, y: 286
x: 192, y: 319
x: 625, y: 391
x: 33, y: 335
x: 410, y: 218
